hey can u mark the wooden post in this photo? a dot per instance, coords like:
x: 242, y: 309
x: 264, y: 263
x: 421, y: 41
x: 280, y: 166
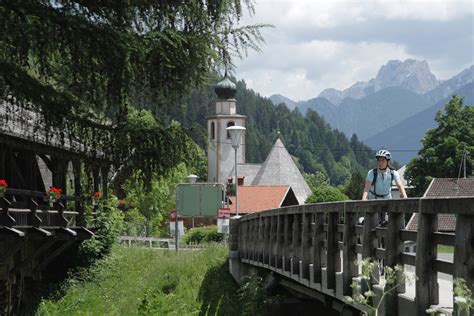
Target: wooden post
x: 349, y: 269
x: 78, y: 204
x: 287, y: 242
x: 3, y: 155
x: 279, y: 245
x: 255, y: 239
x: 273, y: 241
x: 96, y: 183
x: 295, y: 242
x: 393, y: 254
x: 105, y: 182
x: 427, y: 281
x: 332, y: 250
x: 261, y: 245
x: 266, y: 240
x: 317, y: 247
x: 305, y: 245
x: 368, y: 240
x: 463, y: 251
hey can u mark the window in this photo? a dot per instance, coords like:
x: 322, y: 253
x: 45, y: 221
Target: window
x: 229, y: 125
x: 213, y: 131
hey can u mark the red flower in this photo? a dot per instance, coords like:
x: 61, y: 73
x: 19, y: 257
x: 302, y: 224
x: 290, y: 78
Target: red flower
x: 55, y: 191
x: 3, y: 183
x: 96, y: 194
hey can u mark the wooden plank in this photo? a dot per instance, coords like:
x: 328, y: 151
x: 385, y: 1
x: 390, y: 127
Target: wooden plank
x: 444, y: 266
x: 349, y: 269
x: 408, y: 258
x: 444, y: 238
x: 427, y: 293
x: 317, y: 245
x: 408, y: 235
x: 40, y: 267
x: 454, y: 205
x: 332, y: 250
x: 463, y: 266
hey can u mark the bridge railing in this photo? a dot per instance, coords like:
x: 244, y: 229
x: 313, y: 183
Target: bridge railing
x: 24, y: 211
x: 304, y: 240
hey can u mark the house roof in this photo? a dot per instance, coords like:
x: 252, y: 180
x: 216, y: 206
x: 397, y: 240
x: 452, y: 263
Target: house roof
x: 247, y: 170
x: 252, y: 199
x: 445, y: 187
x: 450, y: 187
x: 446, y: 222
x: 280, y: 169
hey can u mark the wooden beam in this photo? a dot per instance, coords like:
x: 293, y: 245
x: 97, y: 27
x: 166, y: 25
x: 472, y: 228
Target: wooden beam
x: 427, y: 292
x: 40, y: 267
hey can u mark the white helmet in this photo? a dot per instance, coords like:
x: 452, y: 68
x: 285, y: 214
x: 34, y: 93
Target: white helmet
x: 383, y: 153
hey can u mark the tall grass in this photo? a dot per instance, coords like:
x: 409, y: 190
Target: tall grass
x: 134, y: 281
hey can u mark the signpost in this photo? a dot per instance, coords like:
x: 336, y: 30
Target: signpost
x: 223, y: 220
x: 199, y: 199
x: 176, y: 227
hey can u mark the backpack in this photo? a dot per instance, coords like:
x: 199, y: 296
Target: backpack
x: 374, y: 171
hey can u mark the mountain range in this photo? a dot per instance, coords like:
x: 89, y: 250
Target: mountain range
x: 383, y: 111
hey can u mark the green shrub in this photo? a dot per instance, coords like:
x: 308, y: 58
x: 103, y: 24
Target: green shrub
x: 326, y: 194
x: 200, y: 235
x: 107, y: 226
x: 253, y: 297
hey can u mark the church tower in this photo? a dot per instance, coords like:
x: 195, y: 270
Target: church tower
x: 220, y: 154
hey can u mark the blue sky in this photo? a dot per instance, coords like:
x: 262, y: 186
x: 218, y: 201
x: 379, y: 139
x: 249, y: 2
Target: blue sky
x: 319, y: 44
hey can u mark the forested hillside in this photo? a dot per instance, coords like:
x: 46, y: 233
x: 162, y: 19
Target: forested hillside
x: 316, y: 146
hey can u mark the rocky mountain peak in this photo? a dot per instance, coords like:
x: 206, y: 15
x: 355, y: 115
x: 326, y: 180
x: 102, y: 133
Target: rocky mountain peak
x: 413, y: 75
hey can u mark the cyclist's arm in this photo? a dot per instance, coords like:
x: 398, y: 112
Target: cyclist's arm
x: 401, y: 189
x: 368, y: 184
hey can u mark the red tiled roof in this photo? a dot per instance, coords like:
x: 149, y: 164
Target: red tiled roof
x: 254, y: 198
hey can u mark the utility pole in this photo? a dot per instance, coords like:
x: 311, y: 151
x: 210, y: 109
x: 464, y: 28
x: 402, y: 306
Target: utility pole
x: 464, y: 161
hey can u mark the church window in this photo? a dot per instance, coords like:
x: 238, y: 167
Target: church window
x: 229, y: 125
x: 213, y: 131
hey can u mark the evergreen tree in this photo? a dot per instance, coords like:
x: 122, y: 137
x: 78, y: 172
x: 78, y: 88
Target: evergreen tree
x: 443, y: 147
x: 355, y: 187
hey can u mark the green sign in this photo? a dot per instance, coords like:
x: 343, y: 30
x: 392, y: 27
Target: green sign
x: 199, y: 199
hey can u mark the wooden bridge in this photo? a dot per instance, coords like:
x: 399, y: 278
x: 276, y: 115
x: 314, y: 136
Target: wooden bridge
x: 312, y: 249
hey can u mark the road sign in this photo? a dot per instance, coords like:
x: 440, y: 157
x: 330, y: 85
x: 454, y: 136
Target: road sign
x: 199, y: 199
x: 223, y: 220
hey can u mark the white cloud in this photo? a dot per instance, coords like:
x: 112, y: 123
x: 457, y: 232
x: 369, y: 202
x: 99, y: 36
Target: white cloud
x: 302, y: 71
x: 333, y: 44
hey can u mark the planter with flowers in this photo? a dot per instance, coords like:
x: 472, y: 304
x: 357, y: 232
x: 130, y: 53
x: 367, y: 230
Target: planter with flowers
x: 95, y: 198
x: 3, y: 188
x: 53, y: 195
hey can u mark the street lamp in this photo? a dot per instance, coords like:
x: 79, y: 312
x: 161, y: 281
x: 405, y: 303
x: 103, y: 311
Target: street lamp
x: 235, y: 135
x: 192, y: 178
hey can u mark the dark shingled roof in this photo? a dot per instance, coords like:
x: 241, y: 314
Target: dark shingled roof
x: 445, y: 187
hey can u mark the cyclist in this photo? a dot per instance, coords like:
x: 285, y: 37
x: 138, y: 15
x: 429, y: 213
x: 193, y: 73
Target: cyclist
x: 379, y: 180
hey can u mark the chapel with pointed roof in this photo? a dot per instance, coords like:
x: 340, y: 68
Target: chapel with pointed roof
x: 278, y: 170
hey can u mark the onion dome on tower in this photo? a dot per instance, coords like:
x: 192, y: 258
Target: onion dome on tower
x: 225, y: 89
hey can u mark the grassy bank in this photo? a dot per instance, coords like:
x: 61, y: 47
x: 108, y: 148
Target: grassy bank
x: 134, y: 281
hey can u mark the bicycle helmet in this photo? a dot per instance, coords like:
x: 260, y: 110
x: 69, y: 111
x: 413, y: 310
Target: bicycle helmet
x: 383, y: 153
